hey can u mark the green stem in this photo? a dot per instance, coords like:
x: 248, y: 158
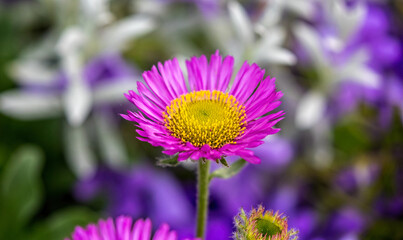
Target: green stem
x: 202, y: 197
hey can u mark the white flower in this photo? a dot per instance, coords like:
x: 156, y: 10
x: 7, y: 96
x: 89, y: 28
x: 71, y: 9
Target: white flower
x: 259, y: 41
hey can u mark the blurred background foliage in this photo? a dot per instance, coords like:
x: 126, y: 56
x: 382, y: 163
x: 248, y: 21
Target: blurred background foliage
x: 67, y: 158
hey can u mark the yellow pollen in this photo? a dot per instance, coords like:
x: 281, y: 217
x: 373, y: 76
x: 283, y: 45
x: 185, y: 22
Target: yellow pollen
x: 204, y: 117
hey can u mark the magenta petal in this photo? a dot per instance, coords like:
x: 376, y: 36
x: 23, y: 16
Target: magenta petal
x: 92, y: 232
x: 170, y: 152
x: 173, y: 85
x: 247, y: 83
x: 172, y: 236
x: 248, y: 156
x: 225, y: 74
x: 162, y: 232
x: 197, y: 71
x: 146, y: 234
x: 123, y: 227
x: 156, y: 84
x: 107, y: 228
x: 79, y: 233
x: 184, y: 155
x: 213, y: 71
x: 137, y: 229
x: 152, y: 97
x: 196, y: 155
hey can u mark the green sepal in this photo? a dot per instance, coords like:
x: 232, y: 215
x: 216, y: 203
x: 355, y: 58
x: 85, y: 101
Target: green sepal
x: 227, y: 172
x: 168, y: 161
x: 224, y: 162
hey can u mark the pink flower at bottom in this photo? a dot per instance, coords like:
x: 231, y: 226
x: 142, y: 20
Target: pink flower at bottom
x: 123, y: 229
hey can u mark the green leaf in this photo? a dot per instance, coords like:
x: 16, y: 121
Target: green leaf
x: 20, y: 190
x: 227, y: 172
x: 168, y: 162
x: 61, y: 224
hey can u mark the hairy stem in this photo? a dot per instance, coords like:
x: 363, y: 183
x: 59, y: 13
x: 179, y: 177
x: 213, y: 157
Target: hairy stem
x: 202, y: 197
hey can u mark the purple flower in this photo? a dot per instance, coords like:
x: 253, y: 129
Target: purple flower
x: 106, y: 69
x: 347, y: 221
x: 205, y: 121
x: 359, y: 61
x: 242, y: 190
x: 103, y: 70
x: 390, y: 206
x: 141, y: 191
x: 289, y: 199
x: 373, y: 33
x: 276, y: 153
x: 122, y: 228
x: 219, y: 227
x: 392, y: 97
x: 348, y: 96
x: 209, y: 8
x: 353, y: 178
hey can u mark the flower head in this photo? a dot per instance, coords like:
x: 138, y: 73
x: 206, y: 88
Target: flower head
x: 122, y: 228
x: 262, y: 225
x: 204, y: 117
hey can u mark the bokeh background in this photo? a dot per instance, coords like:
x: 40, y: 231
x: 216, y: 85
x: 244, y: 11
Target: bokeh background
x: 67, y: 158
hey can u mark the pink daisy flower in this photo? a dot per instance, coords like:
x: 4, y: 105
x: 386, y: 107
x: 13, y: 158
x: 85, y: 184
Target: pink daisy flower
x: 122, y: 229
x: 204, y: 117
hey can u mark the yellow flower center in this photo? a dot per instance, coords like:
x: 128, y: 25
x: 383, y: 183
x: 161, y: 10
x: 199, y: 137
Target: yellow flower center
x: 204, y: 117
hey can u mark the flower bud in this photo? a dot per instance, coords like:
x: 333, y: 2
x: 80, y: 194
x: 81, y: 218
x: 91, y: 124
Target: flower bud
x: 260, y: 224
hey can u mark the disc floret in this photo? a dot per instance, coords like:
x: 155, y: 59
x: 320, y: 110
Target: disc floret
x: 206, y: 117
